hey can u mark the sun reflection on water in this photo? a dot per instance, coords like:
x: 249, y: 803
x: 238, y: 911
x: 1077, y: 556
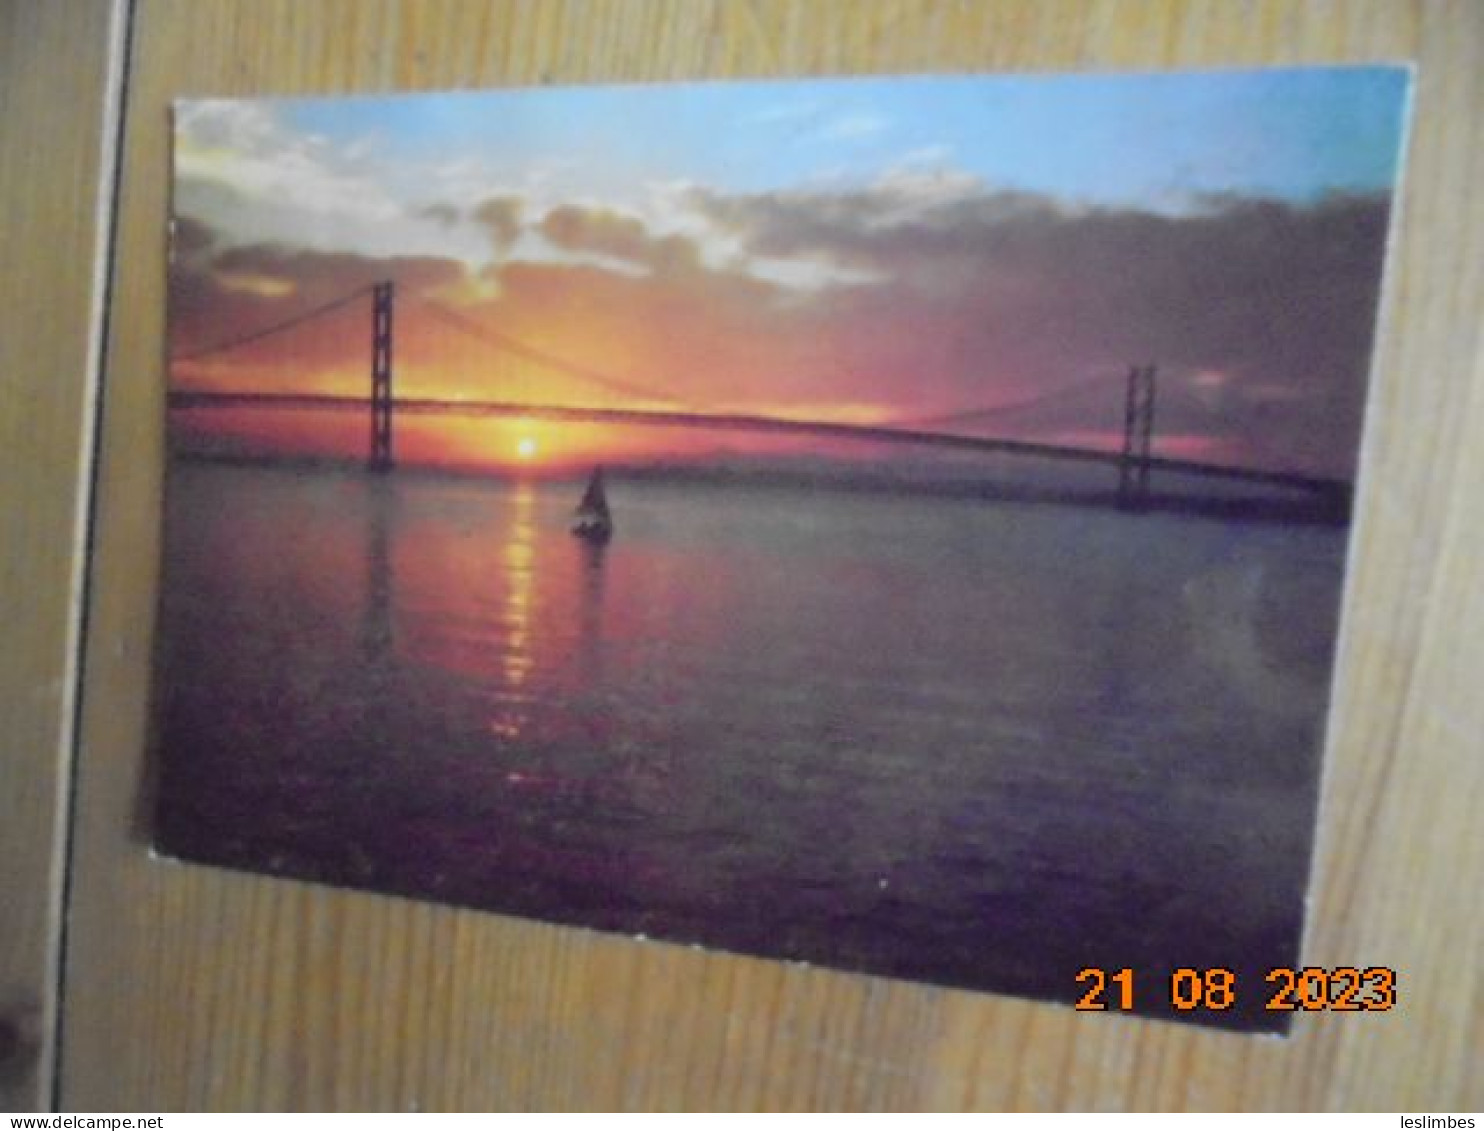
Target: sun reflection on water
x: 520, y: 577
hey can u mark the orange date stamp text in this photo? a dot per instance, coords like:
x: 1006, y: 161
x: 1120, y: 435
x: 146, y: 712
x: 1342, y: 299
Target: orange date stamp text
x: 1311, y: 989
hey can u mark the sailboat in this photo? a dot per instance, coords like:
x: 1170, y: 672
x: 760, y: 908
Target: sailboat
x: 591, y: 519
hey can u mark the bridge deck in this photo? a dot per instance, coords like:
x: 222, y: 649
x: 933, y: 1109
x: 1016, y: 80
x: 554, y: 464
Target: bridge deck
x: 743, y: 422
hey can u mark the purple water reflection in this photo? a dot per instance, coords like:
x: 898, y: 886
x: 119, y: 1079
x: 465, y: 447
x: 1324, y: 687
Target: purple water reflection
x: 974, y: 744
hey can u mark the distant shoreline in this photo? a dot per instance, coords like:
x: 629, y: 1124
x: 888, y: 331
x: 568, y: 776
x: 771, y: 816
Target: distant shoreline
x: 1272, y: 509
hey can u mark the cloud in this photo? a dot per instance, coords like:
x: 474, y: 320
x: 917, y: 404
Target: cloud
x: 244, y: 145
x: 793, y: 110
x: 255, y: 179
x: 1259, y: 313
x: 851, y: 127
x: 239, y: 291
x: 997, y: 294
x: 936, y: 154
x: 189, y: 237
x: 501, y: 217
x: 600, y: 230
x: 605, y: 232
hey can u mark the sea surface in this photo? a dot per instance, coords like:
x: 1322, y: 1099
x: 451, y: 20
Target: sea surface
x: 981, y: 744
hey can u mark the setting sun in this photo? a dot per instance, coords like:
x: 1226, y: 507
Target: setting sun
x: 525, y: 447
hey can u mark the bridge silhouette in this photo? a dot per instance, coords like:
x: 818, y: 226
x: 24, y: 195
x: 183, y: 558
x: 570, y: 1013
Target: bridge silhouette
x: 1134, y: 461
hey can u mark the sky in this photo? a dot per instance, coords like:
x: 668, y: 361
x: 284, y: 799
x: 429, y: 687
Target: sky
x: 868, y: 250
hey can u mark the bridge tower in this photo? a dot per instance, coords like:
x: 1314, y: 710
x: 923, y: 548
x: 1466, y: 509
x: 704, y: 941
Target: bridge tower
x: 1138, y: 428
x: 381, y: 377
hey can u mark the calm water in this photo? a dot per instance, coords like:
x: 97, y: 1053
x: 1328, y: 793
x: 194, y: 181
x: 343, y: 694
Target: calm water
x: 973, y: 743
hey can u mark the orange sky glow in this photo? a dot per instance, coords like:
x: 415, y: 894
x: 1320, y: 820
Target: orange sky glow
x: 884, y: 274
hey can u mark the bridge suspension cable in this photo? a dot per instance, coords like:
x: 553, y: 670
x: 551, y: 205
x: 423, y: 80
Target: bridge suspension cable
x: 497, y: 340
x: 277, y: 328
x: 1006, y: 408
x: 907, y: 429
x: 1186, y: 397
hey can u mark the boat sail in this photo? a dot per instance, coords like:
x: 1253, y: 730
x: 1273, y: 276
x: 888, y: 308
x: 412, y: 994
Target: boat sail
x: 591, y: 519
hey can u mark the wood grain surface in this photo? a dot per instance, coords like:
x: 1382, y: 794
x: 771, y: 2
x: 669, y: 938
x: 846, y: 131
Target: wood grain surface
x: 189, y: 987
x: 54, y: 79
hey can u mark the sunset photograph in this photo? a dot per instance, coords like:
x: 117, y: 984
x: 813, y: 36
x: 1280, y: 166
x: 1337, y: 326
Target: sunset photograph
x: 892, y: 524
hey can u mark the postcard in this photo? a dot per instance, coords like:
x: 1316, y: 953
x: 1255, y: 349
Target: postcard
x: 896, y: 525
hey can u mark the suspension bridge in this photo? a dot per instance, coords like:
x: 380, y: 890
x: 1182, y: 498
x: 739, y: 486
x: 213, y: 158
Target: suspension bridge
x: 1134, y: 461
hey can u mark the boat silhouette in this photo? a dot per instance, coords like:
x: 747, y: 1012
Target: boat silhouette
x: 591, y: 520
